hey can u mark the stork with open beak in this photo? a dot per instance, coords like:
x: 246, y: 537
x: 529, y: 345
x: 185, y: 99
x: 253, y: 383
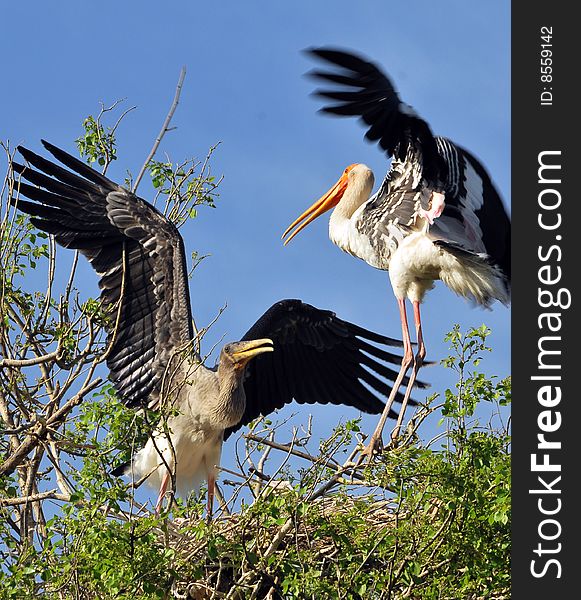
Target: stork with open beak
x: 437, y: 214
x: 294, y: 351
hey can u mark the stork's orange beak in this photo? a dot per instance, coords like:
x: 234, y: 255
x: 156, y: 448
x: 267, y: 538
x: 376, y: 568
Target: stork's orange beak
x: 322, y: 205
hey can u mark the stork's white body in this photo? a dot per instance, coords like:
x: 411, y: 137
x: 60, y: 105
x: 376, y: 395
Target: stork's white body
x: 410, y: 255
x: 197, y: 453
x: 189, y: 443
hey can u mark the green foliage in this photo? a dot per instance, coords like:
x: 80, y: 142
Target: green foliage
x: 433, y: 520
x: 183, y: 188
x: 98, y: 143
x: 441, y: 529
x: 30, y: 247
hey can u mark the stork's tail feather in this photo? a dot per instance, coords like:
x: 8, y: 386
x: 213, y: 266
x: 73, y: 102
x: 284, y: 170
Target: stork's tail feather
x: 121, y: 469
x: 482, y: 280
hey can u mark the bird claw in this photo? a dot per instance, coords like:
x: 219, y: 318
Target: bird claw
x: 372, y: 449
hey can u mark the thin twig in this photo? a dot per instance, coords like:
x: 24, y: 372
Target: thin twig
x: 330, y: 462
x: 163, y: 131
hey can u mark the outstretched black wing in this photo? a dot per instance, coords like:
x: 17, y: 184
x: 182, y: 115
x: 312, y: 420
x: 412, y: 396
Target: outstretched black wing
x: 367, y: 93
x: 317, y: 358
x: 138, y: 254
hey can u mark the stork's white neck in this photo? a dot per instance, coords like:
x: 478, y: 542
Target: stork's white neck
x: 341, y: 223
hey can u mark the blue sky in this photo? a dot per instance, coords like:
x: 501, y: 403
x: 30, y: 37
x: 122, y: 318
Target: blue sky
x: 245, y: 88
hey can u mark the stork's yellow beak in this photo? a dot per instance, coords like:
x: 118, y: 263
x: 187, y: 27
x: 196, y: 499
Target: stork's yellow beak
x: 322, y: 205
x: 245, y: 351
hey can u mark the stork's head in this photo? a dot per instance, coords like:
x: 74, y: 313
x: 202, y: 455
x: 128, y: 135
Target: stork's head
x: 353, y: 188
x: 236, y: 355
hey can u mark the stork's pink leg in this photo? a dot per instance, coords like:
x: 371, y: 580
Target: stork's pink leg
x: 162, y: 491
x: 375, y: 441
x: 211, y: 491
x: 421, y: 353
x: 419, y: 360
x: 437, y: 203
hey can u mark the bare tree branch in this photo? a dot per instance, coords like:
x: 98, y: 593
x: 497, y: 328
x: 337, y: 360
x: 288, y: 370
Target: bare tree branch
x: 50, y: 495
x: 164, y: 129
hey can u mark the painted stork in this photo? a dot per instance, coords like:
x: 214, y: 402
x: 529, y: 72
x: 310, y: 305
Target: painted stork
x: 294, y: 350
x: 437, y: 214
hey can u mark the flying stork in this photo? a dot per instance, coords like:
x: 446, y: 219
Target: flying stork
x: 294, y: 350
x: 437, y: 214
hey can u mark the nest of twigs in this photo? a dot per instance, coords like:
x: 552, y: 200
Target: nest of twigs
x: 226, y: 576
x: 307, y: 524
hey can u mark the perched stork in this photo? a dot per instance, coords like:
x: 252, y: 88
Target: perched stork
x: 437, y: 214
x: 294, y: 350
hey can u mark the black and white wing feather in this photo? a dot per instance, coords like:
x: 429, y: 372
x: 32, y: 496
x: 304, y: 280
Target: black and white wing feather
x: 317, y: 358
x: 369, y: 94
x: 474, y: 220
x: 138, y: 254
